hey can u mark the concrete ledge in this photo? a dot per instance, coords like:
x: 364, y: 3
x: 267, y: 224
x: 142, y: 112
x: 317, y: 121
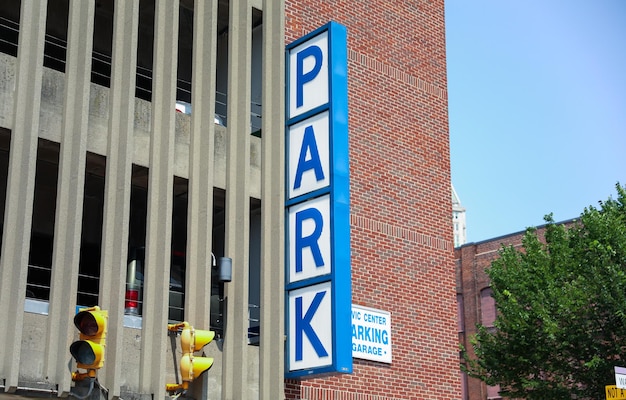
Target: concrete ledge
x: 51, y: 114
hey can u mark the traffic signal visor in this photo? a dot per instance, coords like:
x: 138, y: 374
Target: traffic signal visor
x: 191, y: 366
x: 89, y: 349
x: 195, y: 339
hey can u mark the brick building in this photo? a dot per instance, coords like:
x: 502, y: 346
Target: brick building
x: 474, y: 302
x: 106, y: 188
x: 400, y: 207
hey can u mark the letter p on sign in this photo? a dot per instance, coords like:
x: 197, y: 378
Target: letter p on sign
x: 309, y: 85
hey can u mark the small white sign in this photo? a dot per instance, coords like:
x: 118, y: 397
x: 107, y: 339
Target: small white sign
x: 371, y: 334
x: 620, y: 377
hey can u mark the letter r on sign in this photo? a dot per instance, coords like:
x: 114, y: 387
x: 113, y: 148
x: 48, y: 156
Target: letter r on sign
x: 310, y: 241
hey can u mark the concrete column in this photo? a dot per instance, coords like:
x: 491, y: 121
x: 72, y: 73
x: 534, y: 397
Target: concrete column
x: 237, y: 246
x: 201, y: 159
x: 18, y: 212
x: 70, y: 192
x: 201, y: 171
x: 272, y: 345
x: 115, y: 229
x: 160, y: 202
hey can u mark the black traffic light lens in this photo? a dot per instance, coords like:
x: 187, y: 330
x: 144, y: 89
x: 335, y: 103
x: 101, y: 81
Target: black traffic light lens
x: 86, y: 323
x: 82, y: 352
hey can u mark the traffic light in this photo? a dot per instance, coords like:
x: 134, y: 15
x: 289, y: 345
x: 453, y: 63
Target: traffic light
x: 88, y: 351
x: 191, y: 340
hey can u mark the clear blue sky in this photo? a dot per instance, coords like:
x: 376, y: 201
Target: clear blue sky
x: 537, y: 106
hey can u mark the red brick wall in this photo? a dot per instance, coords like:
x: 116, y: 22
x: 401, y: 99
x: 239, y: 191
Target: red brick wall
x: 471, y: 262
x: 401, y: 213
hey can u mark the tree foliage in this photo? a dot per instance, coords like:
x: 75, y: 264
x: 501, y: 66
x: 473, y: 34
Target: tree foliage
x: 561, y: 303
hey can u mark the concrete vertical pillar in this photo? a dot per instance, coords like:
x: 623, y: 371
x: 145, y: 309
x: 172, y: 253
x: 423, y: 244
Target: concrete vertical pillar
x: 272, y: 344
x: 237, y: 245
x: 201, y: 159
x: 201, y: 171
x: 160, y: 201
x: 70, y: 192
x: 117, y: 190
x: 18, y: 212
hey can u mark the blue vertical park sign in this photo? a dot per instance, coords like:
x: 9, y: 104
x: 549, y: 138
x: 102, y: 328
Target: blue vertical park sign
x: 318, y: 282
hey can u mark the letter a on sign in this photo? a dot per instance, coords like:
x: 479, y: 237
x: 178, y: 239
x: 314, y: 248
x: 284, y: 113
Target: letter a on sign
x: 309, y: 155
x: 309, y: 158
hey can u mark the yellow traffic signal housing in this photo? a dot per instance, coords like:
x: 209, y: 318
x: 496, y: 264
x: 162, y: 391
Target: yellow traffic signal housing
x: 194, y: 339
x: 88, y: 351
x: 191, y: 367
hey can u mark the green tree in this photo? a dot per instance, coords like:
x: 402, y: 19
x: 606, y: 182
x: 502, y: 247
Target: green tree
x: 561, y: 302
